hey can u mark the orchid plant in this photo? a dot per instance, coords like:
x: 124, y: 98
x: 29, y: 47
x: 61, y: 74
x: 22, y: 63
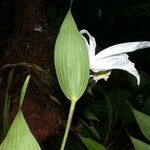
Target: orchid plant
x: 76, y: 61
x: 75, y: 57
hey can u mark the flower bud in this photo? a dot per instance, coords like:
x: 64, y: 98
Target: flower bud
x: 71, y: 59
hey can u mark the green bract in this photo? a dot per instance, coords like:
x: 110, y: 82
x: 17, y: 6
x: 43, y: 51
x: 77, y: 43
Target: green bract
x: 19, y: 136
x: 71, y: 60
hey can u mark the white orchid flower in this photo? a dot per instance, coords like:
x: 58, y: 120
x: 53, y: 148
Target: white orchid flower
x: 113, y: 57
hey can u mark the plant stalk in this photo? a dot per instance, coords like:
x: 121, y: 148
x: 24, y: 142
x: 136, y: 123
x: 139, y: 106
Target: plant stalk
x: 69, y: 121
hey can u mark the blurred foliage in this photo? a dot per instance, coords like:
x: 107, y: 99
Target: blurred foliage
x: 143, y: 121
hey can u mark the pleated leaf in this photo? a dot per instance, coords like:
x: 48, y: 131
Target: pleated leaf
x: 139, y: 145
x: 19, y: 136
x: 71, y: 59
x: 143, y: 121
x: 91, y: 144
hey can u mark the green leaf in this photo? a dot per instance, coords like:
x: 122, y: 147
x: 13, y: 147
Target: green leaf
x: 7, y: 105
x: 24, y: 88
x: 71, y: 60
x: 91, y: 144
x: 19, y: 136
x: 139, y: 145
x: 143, y: 121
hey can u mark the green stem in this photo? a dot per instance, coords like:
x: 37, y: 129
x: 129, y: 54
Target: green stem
x: 69, y: 121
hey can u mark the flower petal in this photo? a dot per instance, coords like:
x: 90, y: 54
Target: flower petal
x: 122, y: 48
x: 92, y: 43
x: 116, y: 62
